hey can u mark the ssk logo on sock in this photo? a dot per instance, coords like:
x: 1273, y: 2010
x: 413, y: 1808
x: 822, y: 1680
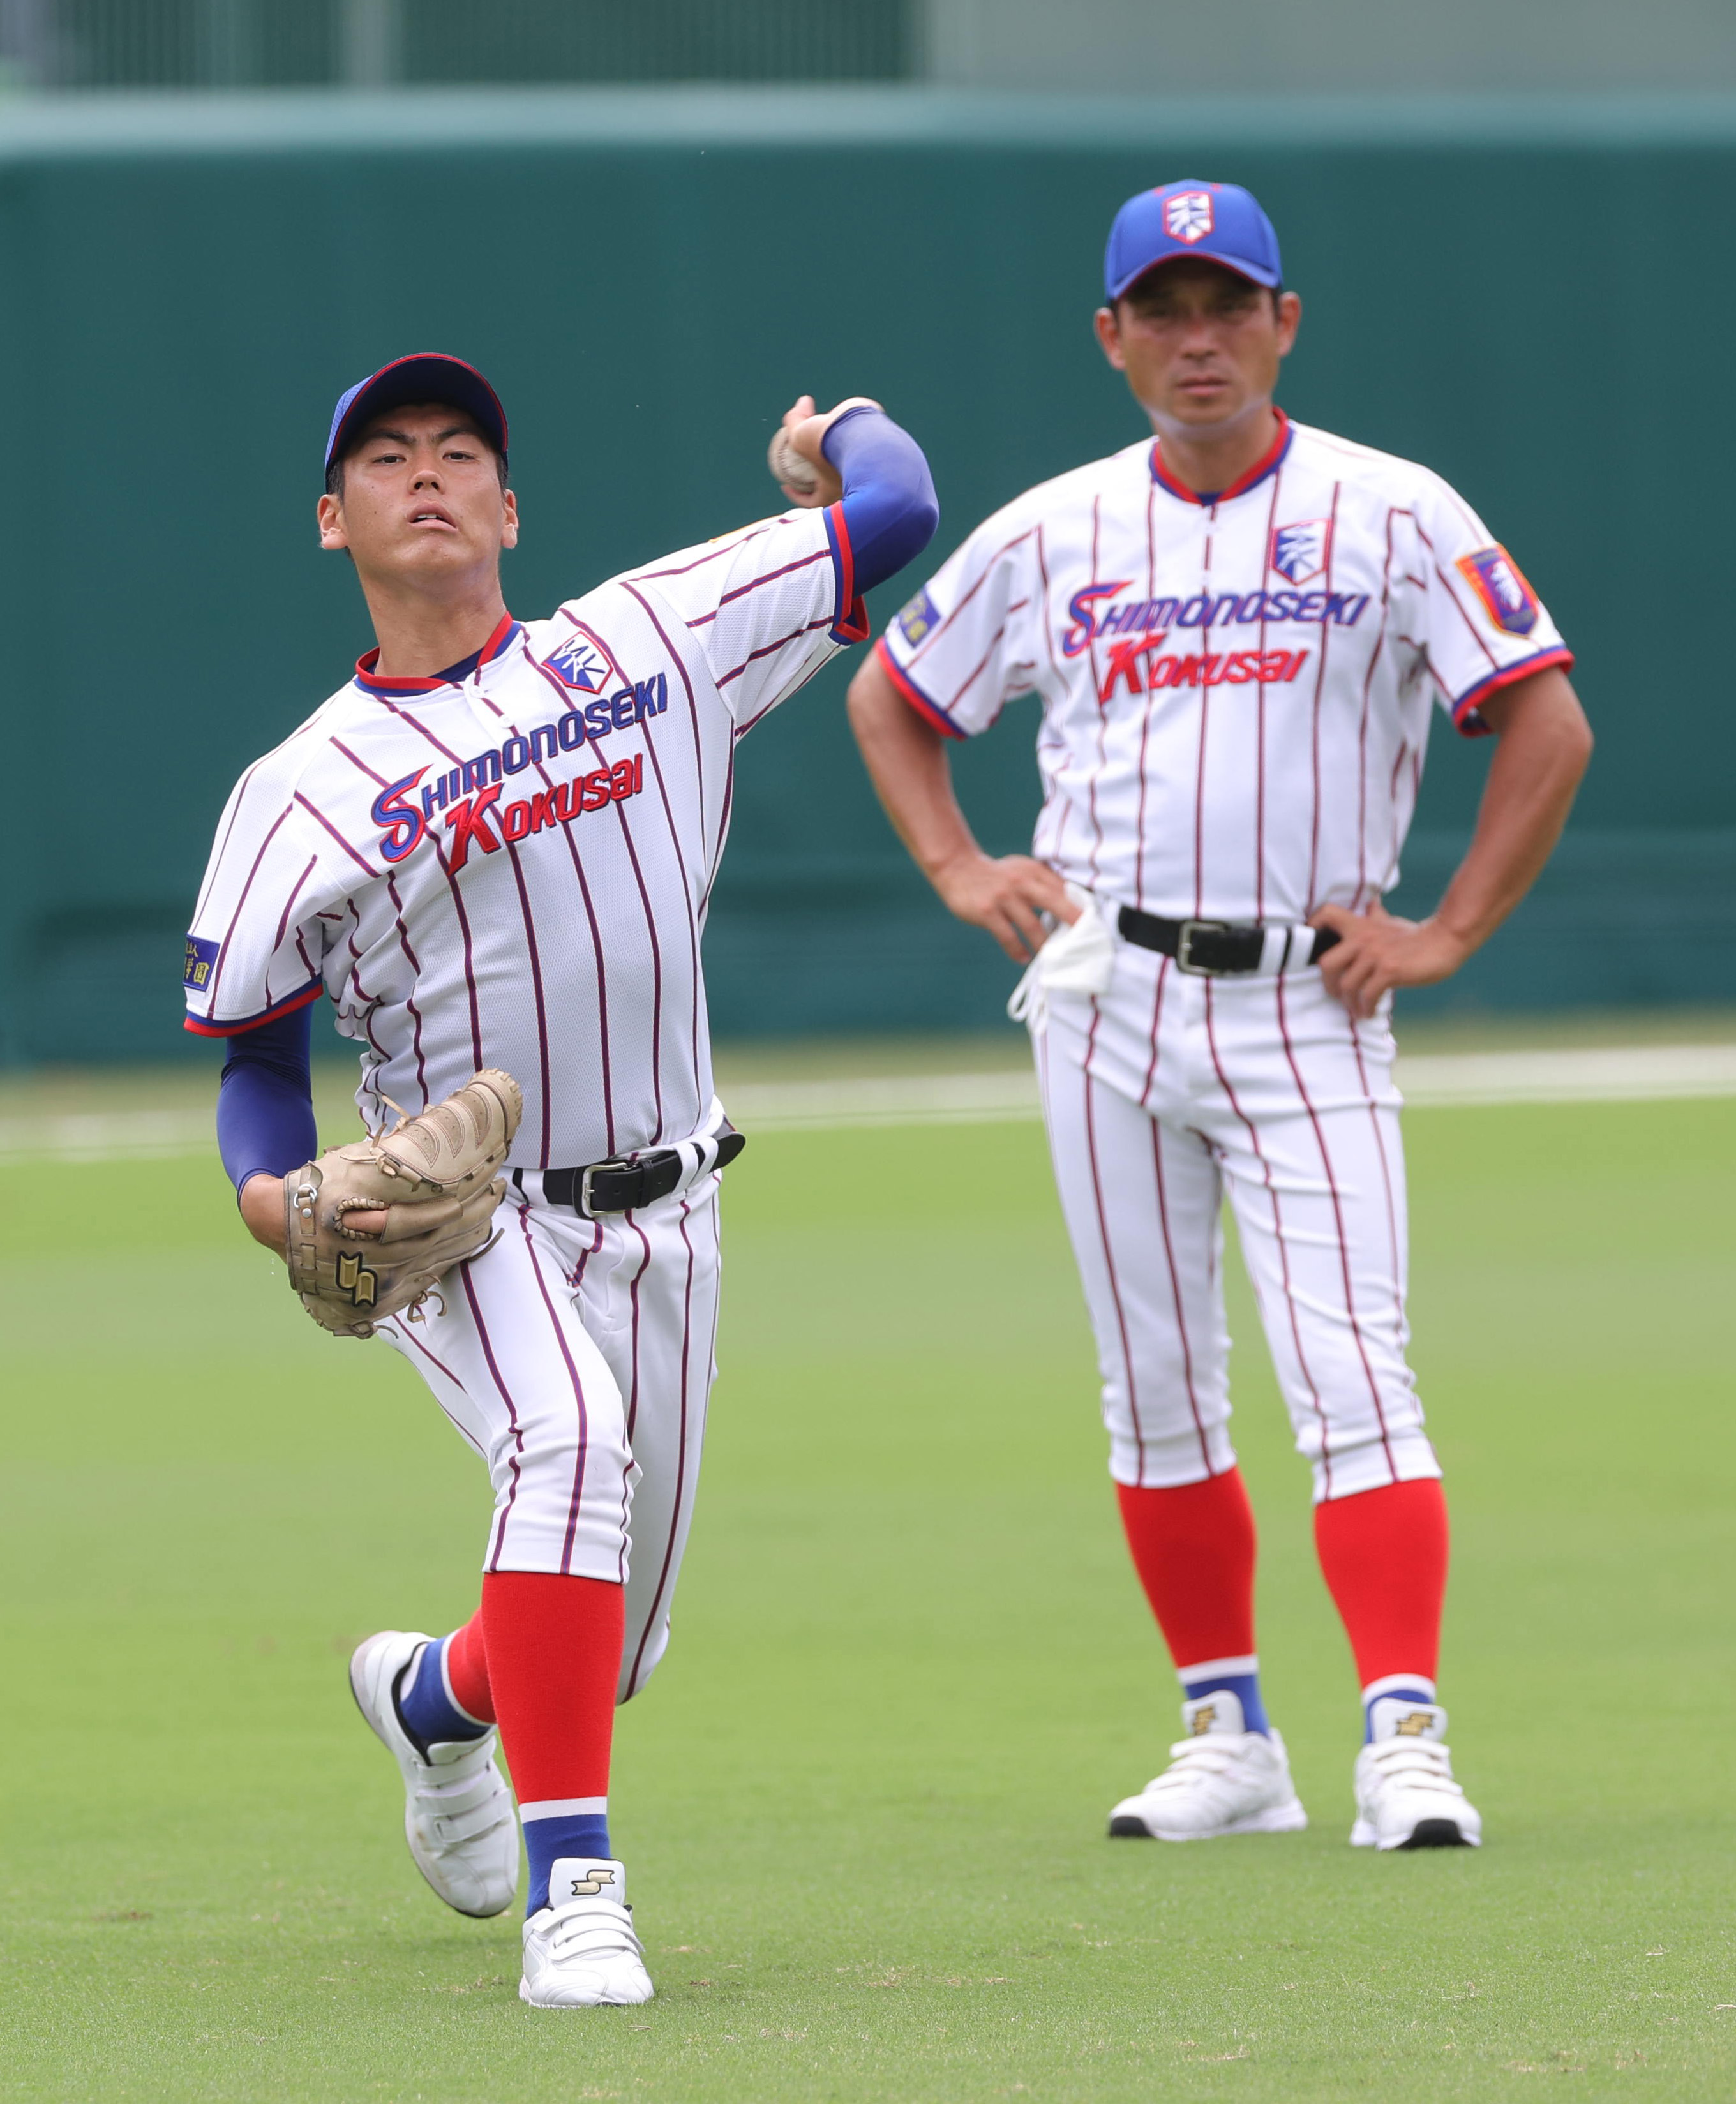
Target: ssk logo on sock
x: 593, y: 1881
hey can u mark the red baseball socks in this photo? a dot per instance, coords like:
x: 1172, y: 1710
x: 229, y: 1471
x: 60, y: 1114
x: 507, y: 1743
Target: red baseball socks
x: 1193, y: 1547
x: 542, y: 1656
x: 1383, y: 1554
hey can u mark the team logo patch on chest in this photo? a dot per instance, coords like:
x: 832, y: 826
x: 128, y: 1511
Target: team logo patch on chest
x: 1298, y: 552
x: 1499, y: 582
x: 1189, y: 217
x: 578, y: 664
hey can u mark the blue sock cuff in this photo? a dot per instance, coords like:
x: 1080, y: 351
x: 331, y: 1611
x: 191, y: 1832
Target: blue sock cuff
x: 426, y: 1711
x: 1245, y: 1686
x: 1416, y: 1691
x: 566, y: 1833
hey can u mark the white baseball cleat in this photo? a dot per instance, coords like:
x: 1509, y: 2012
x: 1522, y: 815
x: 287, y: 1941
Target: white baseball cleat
x: 1221, y: 1779
x: 457, y: 1813
x: 580, y: 1951
x: 1405, y: 1794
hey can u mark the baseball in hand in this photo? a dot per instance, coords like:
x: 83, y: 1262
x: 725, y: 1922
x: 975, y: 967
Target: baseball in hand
x: 805, y: 480
x: 789, y: 469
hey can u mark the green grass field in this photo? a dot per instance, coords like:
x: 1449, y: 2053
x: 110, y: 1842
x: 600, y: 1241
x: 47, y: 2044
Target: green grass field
x: 863, y: 1804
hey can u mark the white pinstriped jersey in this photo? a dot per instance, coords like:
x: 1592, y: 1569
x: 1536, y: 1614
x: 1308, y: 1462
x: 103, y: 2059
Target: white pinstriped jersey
x: 1236, y: 693
x: 511, y: 869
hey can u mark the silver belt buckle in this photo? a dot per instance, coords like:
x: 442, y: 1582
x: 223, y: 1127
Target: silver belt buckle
x: 614, y: 1161
x: 1186, y: 930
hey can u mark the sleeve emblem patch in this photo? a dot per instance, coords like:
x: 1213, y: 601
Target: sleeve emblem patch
x: 202, y: 961
x: 1498, y: 582
x: 920, y: 618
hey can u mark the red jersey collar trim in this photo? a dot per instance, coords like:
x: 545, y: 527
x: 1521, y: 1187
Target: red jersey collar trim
x: 366, y: 677
x: 1261, y: 468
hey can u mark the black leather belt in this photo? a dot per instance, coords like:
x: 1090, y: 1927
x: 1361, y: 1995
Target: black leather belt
x: 1220, y: 949
x: 625, y: 1181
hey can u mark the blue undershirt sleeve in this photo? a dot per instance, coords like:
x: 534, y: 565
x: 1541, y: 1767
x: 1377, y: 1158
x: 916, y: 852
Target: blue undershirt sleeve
x: 890, y: 507
x: 266, y: 1103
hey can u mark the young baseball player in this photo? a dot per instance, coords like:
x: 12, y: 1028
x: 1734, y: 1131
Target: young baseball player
x: 1237, y: 629
x: 492, y: 849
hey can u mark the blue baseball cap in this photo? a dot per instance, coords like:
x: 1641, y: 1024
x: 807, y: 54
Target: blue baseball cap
x: 1219, y: 220
x: 427, y: 376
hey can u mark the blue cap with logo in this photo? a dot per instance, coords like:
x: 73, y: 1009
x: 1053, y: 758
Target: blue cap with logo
x: 427, y: 376
x: 1220, y: 222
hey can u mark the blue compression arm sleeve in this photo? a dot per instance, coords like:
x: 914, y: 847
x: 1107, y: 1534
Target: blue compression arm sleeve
x: 889, y: 497
x: 265, y: 1105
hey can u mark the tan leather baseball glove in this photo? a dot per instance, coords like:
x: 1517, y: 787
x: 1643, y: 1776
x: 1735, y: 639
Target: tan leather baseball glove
x: 436, y: 1179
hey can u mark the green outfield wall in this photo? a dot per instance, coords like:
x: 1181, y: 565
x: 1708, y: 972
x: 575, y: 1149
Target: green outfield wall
x: 1535, y: 298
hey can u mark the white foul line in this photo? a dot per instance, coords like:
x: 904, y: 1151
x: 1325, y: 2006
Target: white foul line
x: 1569, y: 1074
x: 107, y: 1136
x: 1640, y: 1073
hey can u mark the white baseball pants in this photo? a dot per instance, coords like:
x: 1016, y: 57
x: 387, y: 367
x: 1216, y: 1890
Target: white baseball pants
x: 576, y: 1357
x: 1162, y: 1096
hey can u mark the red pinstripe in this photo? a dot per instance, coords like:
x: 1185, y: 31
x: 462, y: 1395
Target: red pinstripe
x: 1060, y: 688
x: 452, y: 887
x: 283, y: 919
x: 223, y: 946
x: 1175, y: 1288
x: 680, y: 1479
x: 1344, y: 1245
x: 529, y: 921
x: 1476, y: 634
x: 710, y: 556
x: 403, y: 937
x: 1151, y: 593
x: 579, y: 1396
x: 771, y: 649
x: 1199, y: 779
x: 741, y: 591
x: 628, y: 1222
x: 1103, y: 719
x: 237, y: 798
x: 1266, y: 572
x: 1380, y: 1141
x: 605, y: 1074
x: 1249, y: 1127
x: 512, y: 1417
x: 978, y: 669
x: 694, y: 906
x: 314, y: 811
x: 1311, y: 898
x: 644, y: 898
x: 406, y: 1336
x: 947, y: 620
x: 1103, y: 1229
x: 1362, y: 893
x: 409, y: 1000
x: 1156, y: 1027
